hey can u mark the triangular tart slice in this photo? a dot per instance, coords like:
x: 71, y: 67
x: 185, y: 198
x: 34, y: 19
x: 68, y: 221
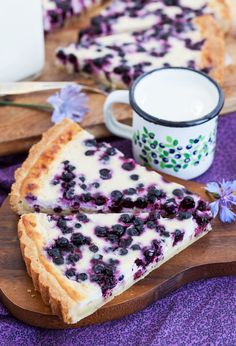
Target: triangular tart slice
x: 80, y: 262
x: 69, y: 171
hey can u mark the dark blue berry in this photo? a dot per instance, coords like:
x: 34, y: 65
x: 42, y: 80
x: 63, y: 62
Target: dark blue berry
x: 93, y: 248
x: 172, y: 151
x: 100, y: 200
x: 105, y: 173
x: 116, y: 196
x: 89, y: 152
x: 111, y: 151
x: 132, y: 231
x: 135, y: 247
x: 82, y: 277
x: 70, y: 272
x: 126, y: 218
x: 134, y: 177
x: 123, y: 252
x: 62, y: 242
x: 187, y: 203
x: 128, y: 166
x: 178, y: 192
x: 101, y: 231
x: 118, y: 229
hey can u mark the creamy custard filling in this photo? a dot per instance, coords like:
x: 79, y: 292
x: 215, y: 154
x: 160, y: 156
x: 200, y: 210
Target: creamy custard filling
x: 103, y: 252
x: 95, y: 177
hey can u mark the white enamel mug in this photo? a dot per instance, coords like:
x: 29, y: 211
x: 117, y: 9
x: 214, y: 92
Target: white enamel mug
x: 175, y: 113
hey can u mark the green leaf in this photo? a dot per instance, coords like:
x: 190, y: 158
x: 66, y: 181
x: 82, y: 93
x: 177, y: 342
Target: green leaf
x: 146, y: 148
x: 176, y: 169
x: 169, y: 166
x: 145, y: 130
x: 199, y: 156
x: 187, y: 155
x: 173, y: 161
x: 144, y: 135
x: 176, y: 142
x: 165, y: 153
x: 155, y: 142
x: 185, y: 166
x: 169, y: 139
x: 151, y: 135
x: 191, y: 141
x: 162, y: 165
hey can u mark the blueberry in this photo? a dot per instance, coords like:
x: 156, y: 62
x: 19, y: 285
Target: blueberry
x: 130, y: 191
x: 78, y: 239
x: 123, y: 252
x: 62, y: 242
x: 195, y: 152
x: 82, y: 179
x: 82, y: 277
x: 172, y: 151
x: 125, y: 242
x: 70, y: 168
x: 116, y: 196
x: 127, y: 203
x: 156, y: 162
x: 149, y: 254
x: 89, y: 153
x: 105, y: 173
x: 177, y: 156
x: 66, y: 162
x: 178, y: 193
x: 69, y: 194
x: 126, y: 218
x: 73, y: 258
x: 121, y: 69
x: 161, y: 145
x: 54, y: 252
x: 196, y: 140
x: 58, y: 260
x: 113, y: 238
x: 179, y: 148
x: 67, y: 176
x: 170, y: 206
x: 93, y: 248
x: 135, y: 247
x: 70, y: 272
x: 202, y: 205
x: 132, y: 231
x: 202, y: 220
x: 188, y: 146
x: 96, y: 185
x: 78, y: 225
x: 82, y: 217
x: 118, y: 229
x: 184, y: 215
x: 101, y: 231
x: 134, y: 177
x: 61, y: 223
x: 111, y: 151
x: 187, y: 203
x: 178, y: 236
x: 128, y: 166
x: 98, y: 268
x: 91, y: 143
x: 151, y: 224
x: 165, y: 159
x: 100, y: 200
x: 141, y: 202
x: 83, y: 186
x: 86, y: 197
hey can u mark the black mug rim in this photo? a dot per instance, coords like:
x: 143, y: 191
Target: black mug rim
x: 215, y: 112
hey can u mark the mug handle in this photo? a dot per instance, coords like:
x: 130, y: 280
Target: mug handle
x: 114, y: 126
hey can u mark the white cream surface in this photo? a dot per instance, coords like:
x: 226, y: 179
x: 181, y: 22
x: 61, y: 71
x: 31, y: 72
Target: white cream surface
x: 91, y: 292
x: 49, y: 195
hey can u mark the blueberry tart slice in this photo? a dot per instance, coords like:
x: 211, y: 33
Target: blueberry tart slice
x: 80, y: 262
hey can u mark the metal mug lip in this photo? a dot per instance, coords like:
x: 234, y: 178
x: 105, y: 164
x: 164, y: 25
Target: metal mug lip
x: 170, y: 123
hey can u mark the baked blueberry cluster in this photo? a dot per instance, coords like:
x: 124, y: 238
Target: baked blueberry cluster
x: 105, y: 246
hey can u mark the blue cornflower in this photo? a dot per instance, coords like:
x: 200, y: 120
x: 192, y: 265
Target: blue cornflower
x: 70, y: 103
x: 225, y: 199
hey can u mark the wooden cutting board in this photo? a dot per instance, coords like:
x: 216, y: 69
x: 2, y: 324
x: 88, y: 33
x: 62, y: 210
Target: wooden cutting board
x: 213, y: 255
x: 20, y: 128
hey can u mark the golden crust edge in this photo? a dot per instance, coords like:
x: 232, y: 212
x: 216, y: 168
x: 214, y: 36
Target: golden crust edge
x: 213, y: 52
x: 34, y: 154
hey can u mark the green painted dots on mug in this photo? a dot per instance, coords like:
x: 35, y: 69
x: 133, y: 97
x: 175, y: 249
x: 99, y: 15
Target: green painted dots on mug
x: 169, y: 154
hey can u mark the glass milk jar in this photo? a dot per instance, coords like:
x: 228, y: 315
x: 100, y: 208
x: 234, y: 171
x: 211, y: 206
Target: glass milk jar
x: 21, y: 39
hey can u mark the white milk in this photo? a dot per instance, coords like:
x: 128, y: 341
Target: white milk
x: 176, y: 95
x: 21, y: 39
